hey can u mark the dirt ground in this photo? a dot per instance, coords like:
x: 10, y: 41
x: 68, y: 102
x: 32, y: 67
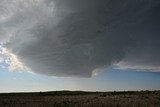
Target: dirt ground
x: 81, y: 99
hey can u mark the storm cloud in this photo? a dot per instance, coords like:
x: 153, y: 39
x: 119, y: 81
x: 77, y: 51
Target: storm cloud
x: 82, y: 37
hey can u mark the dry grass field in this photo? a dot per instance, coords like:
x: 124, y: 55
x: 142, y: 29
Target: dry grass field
x: 81, y: 99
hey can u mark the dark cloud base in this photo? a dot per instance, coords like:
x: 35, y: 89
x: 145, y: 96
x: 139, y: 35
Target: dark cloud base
x: 79, y: 36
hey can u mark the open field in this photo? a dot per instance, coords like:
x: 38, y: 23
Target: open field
x: 81, y: 99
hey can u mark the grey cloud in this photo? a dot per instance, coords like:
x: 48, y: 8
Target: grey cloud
x: 76, y: 37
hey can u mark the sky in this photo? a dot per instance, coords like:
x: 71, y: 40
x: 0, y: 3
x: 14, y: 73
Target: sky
x: 90, y: 45
x: 110, y: 80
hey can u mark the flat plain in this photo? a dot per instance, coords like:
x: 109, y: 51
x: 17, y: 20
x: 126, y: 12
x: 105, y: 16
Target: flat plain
x: 81, y: 99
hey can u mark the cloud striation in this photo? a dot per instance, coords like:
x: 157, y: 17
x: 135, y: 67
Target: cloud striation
x: 81, y: 37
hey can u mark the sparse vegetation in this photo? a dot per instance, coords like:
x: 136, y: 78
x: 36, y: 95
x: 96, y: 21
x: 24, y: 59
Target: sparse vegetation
x: 81, y: 99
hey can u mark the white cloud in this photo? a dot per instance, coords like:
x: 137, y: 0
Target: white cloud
x: 138, y: 67
x: 11, y: 61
